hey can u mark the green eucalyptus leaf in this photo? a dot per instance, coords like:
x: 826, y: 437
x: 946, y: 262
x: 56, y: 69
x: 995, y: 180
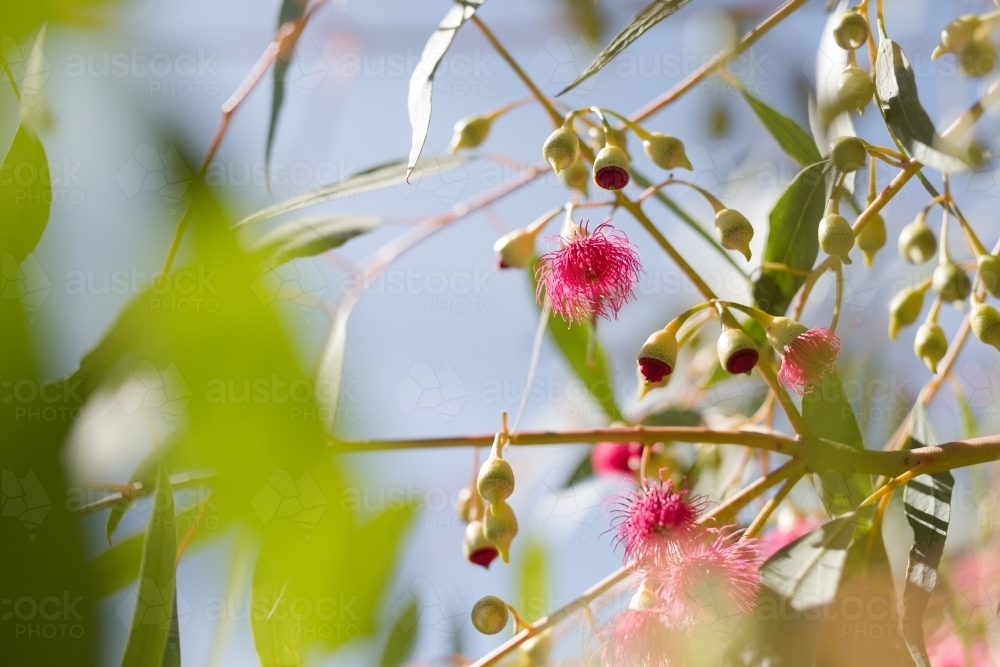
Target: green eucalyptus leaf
x: 647, y: 17
x: 794, y: 140
x: 927, y: 506
x: 375, y: 178
x: 908, y: 121
x: 584, y: 470
x: 793, y: 226
x: 422, y: 81
x: 532, y: 581
x: 402, y: 638
x: 154, y: 605
x: 306, y: 237
x: 290, y: 10
x: 25, y: 199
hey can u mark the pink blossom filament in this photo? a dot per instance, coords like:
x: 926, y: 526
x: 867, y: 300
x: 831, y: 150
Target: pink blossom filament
x: 808, y: 358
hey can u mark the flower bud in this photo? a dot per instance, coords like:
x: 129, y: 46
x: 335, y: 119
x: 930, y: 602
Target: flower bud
x: 956, y: 35
x: 985, y: 322
x: 665, y: 151
x: 645, y: 598
x: 855, y: 89
x: 871, y: 238
x: 561, y: 149
x: 781, y: 331
x: 848, y: 153
x: 737, y: 351
x: 535, y: 652
x: 598, y: 139
x: 496, y: 480
x: 490, y: 615
x: 917, y: 243
x: 611, y: 170
x: 500, y: 527
x: 658, y: 355
x: 516, y: 249
x: 464, y: 503
x: 989, y: 273
x: 734, y: 231
x: 950, y: 281
x: 476, y: 547
x: 930, y: 345
x: 470, y: 132
x: 905, y: 307
x: 836, y: 237
x: 851, y: 31
x: 576, y: 176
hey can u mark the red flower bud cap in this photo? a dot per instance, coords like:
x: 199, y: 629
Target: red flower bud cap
x: 477, y: 549
x: 658, y: 355
x: 611, y: 169
x: 738, y: 353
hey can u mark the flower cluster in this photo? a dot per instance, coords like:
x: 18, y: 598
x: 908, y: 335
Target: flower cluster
x: 689, y: 574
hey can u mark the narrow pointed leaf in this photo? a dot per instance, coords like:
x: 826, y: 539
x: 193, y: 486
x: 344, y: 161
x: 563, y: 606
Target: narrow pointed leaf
x: 794, y: 140
x: 906, y: 118
x: 24, y: 201
x: 34, y: 109
x: 306, y: 237
x: 793, y: 226
x: 381, y: 176
x: 649, y: 16
x: 927, y: 506
x: 422, y: 81
x: 402, y: 639
x: 290, y: 11
x: 154, y: 604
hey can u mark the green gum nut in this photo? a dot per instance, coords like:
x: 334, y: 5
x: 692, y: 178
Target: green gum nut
x: 516, y: 249
x: 905, y: 307
x: 985, y: 322
x: 871, y: 238
x: 855, y: 89
x: 951, y: 282
x: 665, y: 151
x: 576, y: 176
x: 470, y: 132
x: 734, y: 231
x: 490, y: 615
x: 561, y: 149
x: 836, y: 237
x: 851, y: 31
x: 917, y: 242
x: 930, y: 345
x: 611, y: 169
x: 956, y: 35
x: 658, y: 356
x: 500, y: 527
x: 738, y: 352
x: 463, y: 504
x: 781, y: 331
x: 978, y: 57
x: 848, y: 153
x: 598, y: 139
x: 496, y: 480
x: 989, y: 273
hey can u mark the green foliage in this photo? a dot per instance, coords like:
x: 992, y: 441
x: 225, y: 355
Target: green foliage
x: 26, y: 197
x: 402, y: 639
x: 290, y: 10
x: 794, y: 140
x: 306, y: 237
x: 532, y: 581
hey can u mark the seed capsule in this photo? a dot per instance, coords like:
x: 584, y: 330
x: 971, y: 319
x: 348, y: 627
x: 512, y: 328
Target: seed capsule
x: 836, y: 237
x: 561, y: 149
x: 737, y: 351
x: 516, y: 249
x: 905, y: 307
x: 611, y: 169
x: 496, y: 480
x: 851, y: 31
x: 500, y: 527
x: 917, y: 243
x: 871, y: 238
x: 985, y: 322
x: 470, y: 132
x: 848, y: 153
x: 989, y: 273
x: 665, y: 151
x: 658, y: 356
x: 734, y: 231
x: 956, y: 35
x: 490, y: 615
x: 930, y: 345
x: 950, y: 281
x: 855, y: 89
x: 476, y: 547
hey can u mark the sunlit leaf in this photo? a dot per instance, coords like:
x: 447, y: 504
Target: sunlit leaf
x: 290, y: 11
x: 34, y: 109
x: 649, y: 16
x: 532, y: 581
x: 927, y: 505
x: 586, y: 16
x: 154, y: 605
x: 906, y: 118
x: 418, y: 102
x: 381, y: 176
x: 402, y: 639
x: 25, y: 194
x: 19, y: 19
x: 792, y: 241
x: 306, y: 237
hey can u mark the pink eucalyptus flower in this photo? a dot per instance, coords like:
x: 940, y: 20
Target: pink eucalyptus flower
x: 711, y: 578
x: 592, y: 275
x: 807, y: 358
x: 947, y: 650
x: 786, y: 532
x: 615, y: 458
x: 639, y: 638
x: 655, y: 522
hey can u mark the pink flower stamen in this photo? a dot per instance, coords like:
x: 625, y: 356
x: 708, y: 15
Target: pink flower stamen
x: 592, y: 275
x: 655, y: 521
x: 808, y: 358
x: 614, y: 458
x: 639, y: 638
